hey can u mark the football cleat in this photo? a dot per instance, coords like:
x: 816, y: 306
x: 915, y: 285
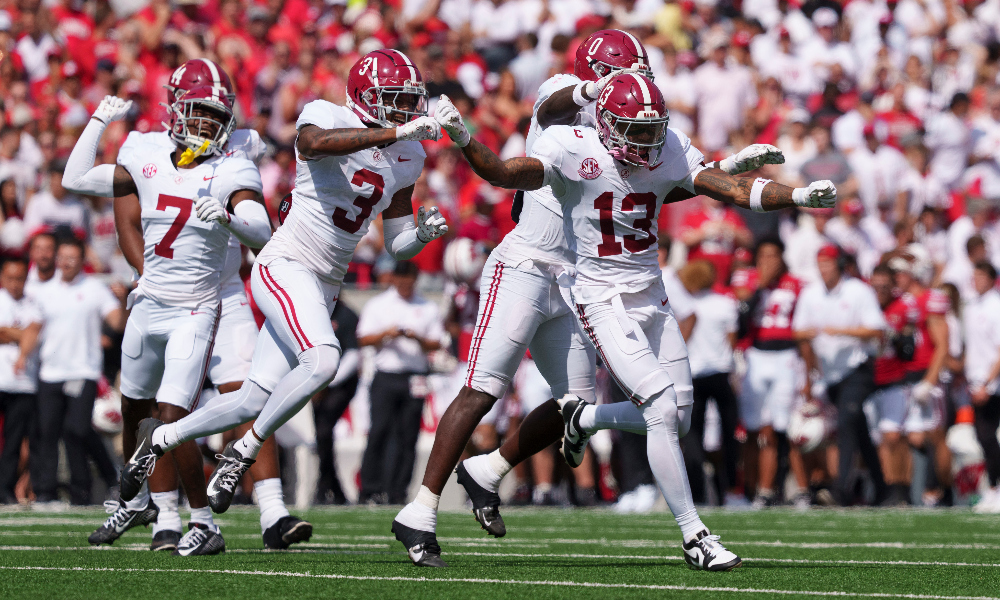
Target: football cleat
x: 574, y: 440
x: 140, y: 466
x: 287, y: 531
x: 485, y: 504
x: 225, y: 478
x: 165, y: 540
x: 121, y: 520
x: 421, y: 546
x: 200, y: 540
x: 705, y: 552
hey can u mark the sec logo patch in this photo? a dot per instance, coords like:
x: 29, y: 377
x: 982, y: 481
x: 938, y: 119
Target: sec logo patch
x: 589, y: 169
x: 149, y: 171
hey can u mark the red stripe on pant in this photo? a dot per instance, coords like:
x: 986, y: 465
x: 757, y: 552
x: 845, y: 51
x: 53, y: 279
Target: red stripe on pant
x: 589, y: 330
x: 491, y: 300
x: 208, y: 358
x: 293, y: 321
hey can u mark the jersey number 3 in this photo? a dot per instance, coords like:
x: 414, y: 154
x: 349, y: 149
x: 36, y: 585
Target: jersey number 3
x: 183, y: 205
x: 605, y: 205
x: 365, y: 204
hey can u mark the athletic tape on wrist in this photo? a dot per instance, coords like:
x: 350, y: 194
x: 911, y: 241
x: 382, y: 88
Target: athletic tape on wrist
x: 578, y: 98
x: 755, y: 193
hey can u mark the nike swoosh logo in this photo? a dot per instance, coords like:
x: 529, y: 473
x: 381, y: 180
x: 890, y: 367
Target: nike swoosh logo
x: 194, y: 312
x: 244, y: 303
x: 655, y: 167
x: 212, y: 177
x: 664, y: 302
x: 416, y: 556
x: 401, y: 159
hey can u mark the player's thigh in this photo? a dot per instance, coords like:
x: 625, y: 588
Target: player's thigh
x: 512, y: 303
x: 625, y: 351
x: 272, y: 358
x: 923, y: 417
x: 296, y: 302
x: 892, y: 407
x: 756, y: 386
x: 784, y: 369
x: 565, y: 358
x: 187, y: 357
x: 142, y: 353
x: 232, y: 354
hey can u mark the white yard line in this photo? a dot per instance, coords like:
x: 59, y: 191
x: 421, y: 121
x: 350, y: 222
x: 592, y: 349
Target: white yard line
x: 576, y: 584
x: 309, y: 548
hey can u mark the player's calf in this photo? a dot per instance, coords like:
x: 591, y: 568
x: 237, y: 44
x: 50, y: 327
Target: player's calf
x: 142, y: 462
x: 485, y: 501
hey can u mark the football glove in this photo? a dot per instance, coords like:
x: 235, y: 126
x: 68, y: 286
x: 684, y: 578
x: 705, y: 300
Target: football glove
x: 111, y: 109
x: 752, y: 157
x: 451, y: 121
x: 430, y: 224
x: 210, y: 210
x: 819, y: 194
x: 418, y: 130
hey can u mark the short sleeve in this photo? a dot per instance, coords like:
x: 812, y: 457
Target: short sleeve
x: 685, y: 161
x: 732, y: 315
x: 435, y: 328
x: 554, y: 84
x: 31, y: 312
x: 937, y: 302
x: 129, y: 150
x: 871, y: 314
x: 105, y: 300
x: 801, y: 319
x: 319, y: 113
x: 245, y: 177
x: 369, y: 322
x: 550, y: 152
x: 249, y: 142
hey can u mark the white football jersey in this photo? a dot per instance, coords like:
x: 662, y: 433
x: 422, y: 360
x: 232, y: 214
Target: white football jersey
x: 183, y: 257
x: 539, y: 233
x: 336, y: 198
x: 244, y: 143
x: 610, y: 208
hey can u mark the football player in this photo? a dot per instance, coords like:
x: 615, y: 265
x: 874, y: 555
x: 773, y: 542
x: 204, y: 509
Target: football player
x: 175, y: 308
x: 352, y: 163
x: 610, y: 184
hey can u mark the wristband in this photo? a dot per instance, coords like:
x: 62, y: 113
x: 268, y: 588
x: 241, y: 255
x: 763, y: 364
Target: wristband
x: 755, y: 192
x: 578, y: 98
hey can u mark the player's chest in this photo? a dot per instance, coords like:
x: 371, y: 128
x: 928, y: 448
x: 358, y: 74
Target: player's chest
x: 169, y: 194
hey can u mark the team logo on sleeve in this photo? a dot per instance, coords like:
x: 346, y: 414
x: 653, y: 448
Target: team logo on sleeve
x: 589, y: 169
x: 376, y: 156
x: 149, y: 171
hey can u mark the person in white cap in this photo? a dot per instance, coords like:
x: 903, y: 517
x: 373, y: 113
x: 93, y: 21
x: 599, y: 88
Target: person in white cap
x: 825, y: 50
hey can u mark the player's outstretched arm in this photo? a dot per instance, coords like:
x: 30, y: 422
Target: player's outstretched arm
x: 248, y: 221
x: 512, y: 174
x: 762, y: 195
x: 750, y: 158
x: 403, y: 239
x: 81, y: 176
x: 315, y: 142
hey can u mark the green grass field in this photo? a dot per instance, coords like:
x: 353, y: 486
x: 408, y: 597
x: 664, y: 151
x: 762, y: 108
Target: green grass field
x: 547, y: 553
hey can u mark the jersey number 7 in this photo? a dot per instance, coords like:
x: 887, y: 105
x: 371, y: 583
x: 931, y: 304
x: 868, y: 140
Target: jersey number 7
x: 183, y: 205
x: 605, y: 205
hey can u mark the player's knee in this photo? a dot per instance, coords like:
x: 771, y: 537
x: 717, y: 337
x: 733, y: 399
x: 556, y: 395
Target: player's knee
x: 322, y: 363
x: 661, y: 412
x: 171, y: 414
x: 474, y: 400
x: 684, y: 419
x: 134, y: 410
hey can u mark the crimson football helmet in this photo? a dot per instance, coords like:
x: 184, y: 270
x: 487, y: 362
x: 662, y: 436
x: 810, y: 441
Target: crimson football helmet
x: 607, y: 51
x: 385, y: 88
x: 632, y: 119
x: 195, y: 73
x: 202, y: 119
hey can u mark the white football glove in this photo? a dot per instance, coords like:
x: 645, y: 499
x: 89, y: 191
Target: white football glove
x: 111, y: 109
x: 924, y: 392
x: 819, y: 194
x: 752, y: 157
x: 418, y: 130
x: 430, y: 224
x: 451, y: 121
x: 211, y: 210
x: 592, y: 89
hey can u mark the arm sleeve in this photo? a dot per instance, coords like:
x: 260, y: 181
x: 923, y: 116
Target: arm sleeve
x: 81, y: 176
x: 250, y: 224
x: 401, y: 240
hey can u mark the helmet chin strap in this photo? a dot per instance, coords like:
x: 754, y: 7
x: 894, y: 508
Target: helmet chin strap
x: 188, y: 156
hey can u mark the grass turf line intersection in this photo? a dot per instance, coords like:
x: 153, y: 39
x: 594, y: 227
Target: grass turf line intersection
x: 548, y: 553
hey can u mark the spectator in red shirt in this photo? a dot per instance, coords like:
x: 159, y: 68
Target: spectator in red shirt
x: 713, y: 232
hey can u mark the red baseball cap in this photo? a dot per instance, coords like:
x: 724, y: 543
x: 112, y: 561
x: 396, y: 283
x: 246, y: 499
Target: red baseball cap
x: 828, y: 251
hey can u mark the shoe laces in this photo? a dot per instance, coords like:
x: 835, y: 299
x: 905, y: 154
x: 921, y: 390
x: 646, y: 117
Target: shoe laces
x: 148, y: 462
x: 711, y: 545
x: 119, y: 514
x: 194, y: 537
x: 230, y: 471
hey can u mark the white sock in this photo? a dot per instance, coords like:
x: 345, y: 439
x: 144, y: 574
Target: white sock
x: 166, y: 437
x: 690, y: 524
x: 248, y: 446
x: 270, y: 501
x: 488, y: 470
x: 203, y: 516
x: 169, y: 518
x: 141, y: 500
x: 421, y: 514
x: 623, y: 416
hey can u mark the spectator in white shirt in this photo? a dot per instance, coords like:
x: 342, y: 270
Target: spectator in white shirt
x: 723, y: 92
x: 42, y: 258
x: 20, y: 324
x: 56, y: 208
x: 403, y: 327
x: 73, y: 308
x: 839, y: 322
x: 981, y: 318
x: 710, y: 350
x: 950, y: 141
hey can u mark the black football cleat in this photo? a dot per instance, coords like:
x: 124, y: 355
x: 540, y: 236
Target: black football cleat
x: 706, y: 553
x: 165, y: 540
x: 485, y: 504
x: 287, y: 531
x: 121, y: 520
x: 222, y: 484
x: 200, y: 540
x: 574, y: 441
x: 140, y: 466
x: 421, y: 546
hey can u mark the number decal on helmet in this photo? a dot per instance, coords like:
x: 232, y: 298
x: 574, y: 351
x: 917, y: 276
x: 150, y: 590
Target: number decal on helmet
x: 594, y: 46
x: 365, y: 64
x: 603, y: 98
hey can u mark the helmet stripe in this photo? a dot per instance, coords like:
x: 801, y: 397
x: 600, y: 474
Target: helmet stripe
x: 646, y: 99
x: 639, y: 50
x: 413, y: 72
x: 216, y: 79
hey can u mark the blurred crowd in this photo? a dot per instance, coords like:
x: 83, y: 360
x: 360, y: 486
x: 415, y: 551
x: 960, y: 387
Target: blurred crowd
x: 896, y: 102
